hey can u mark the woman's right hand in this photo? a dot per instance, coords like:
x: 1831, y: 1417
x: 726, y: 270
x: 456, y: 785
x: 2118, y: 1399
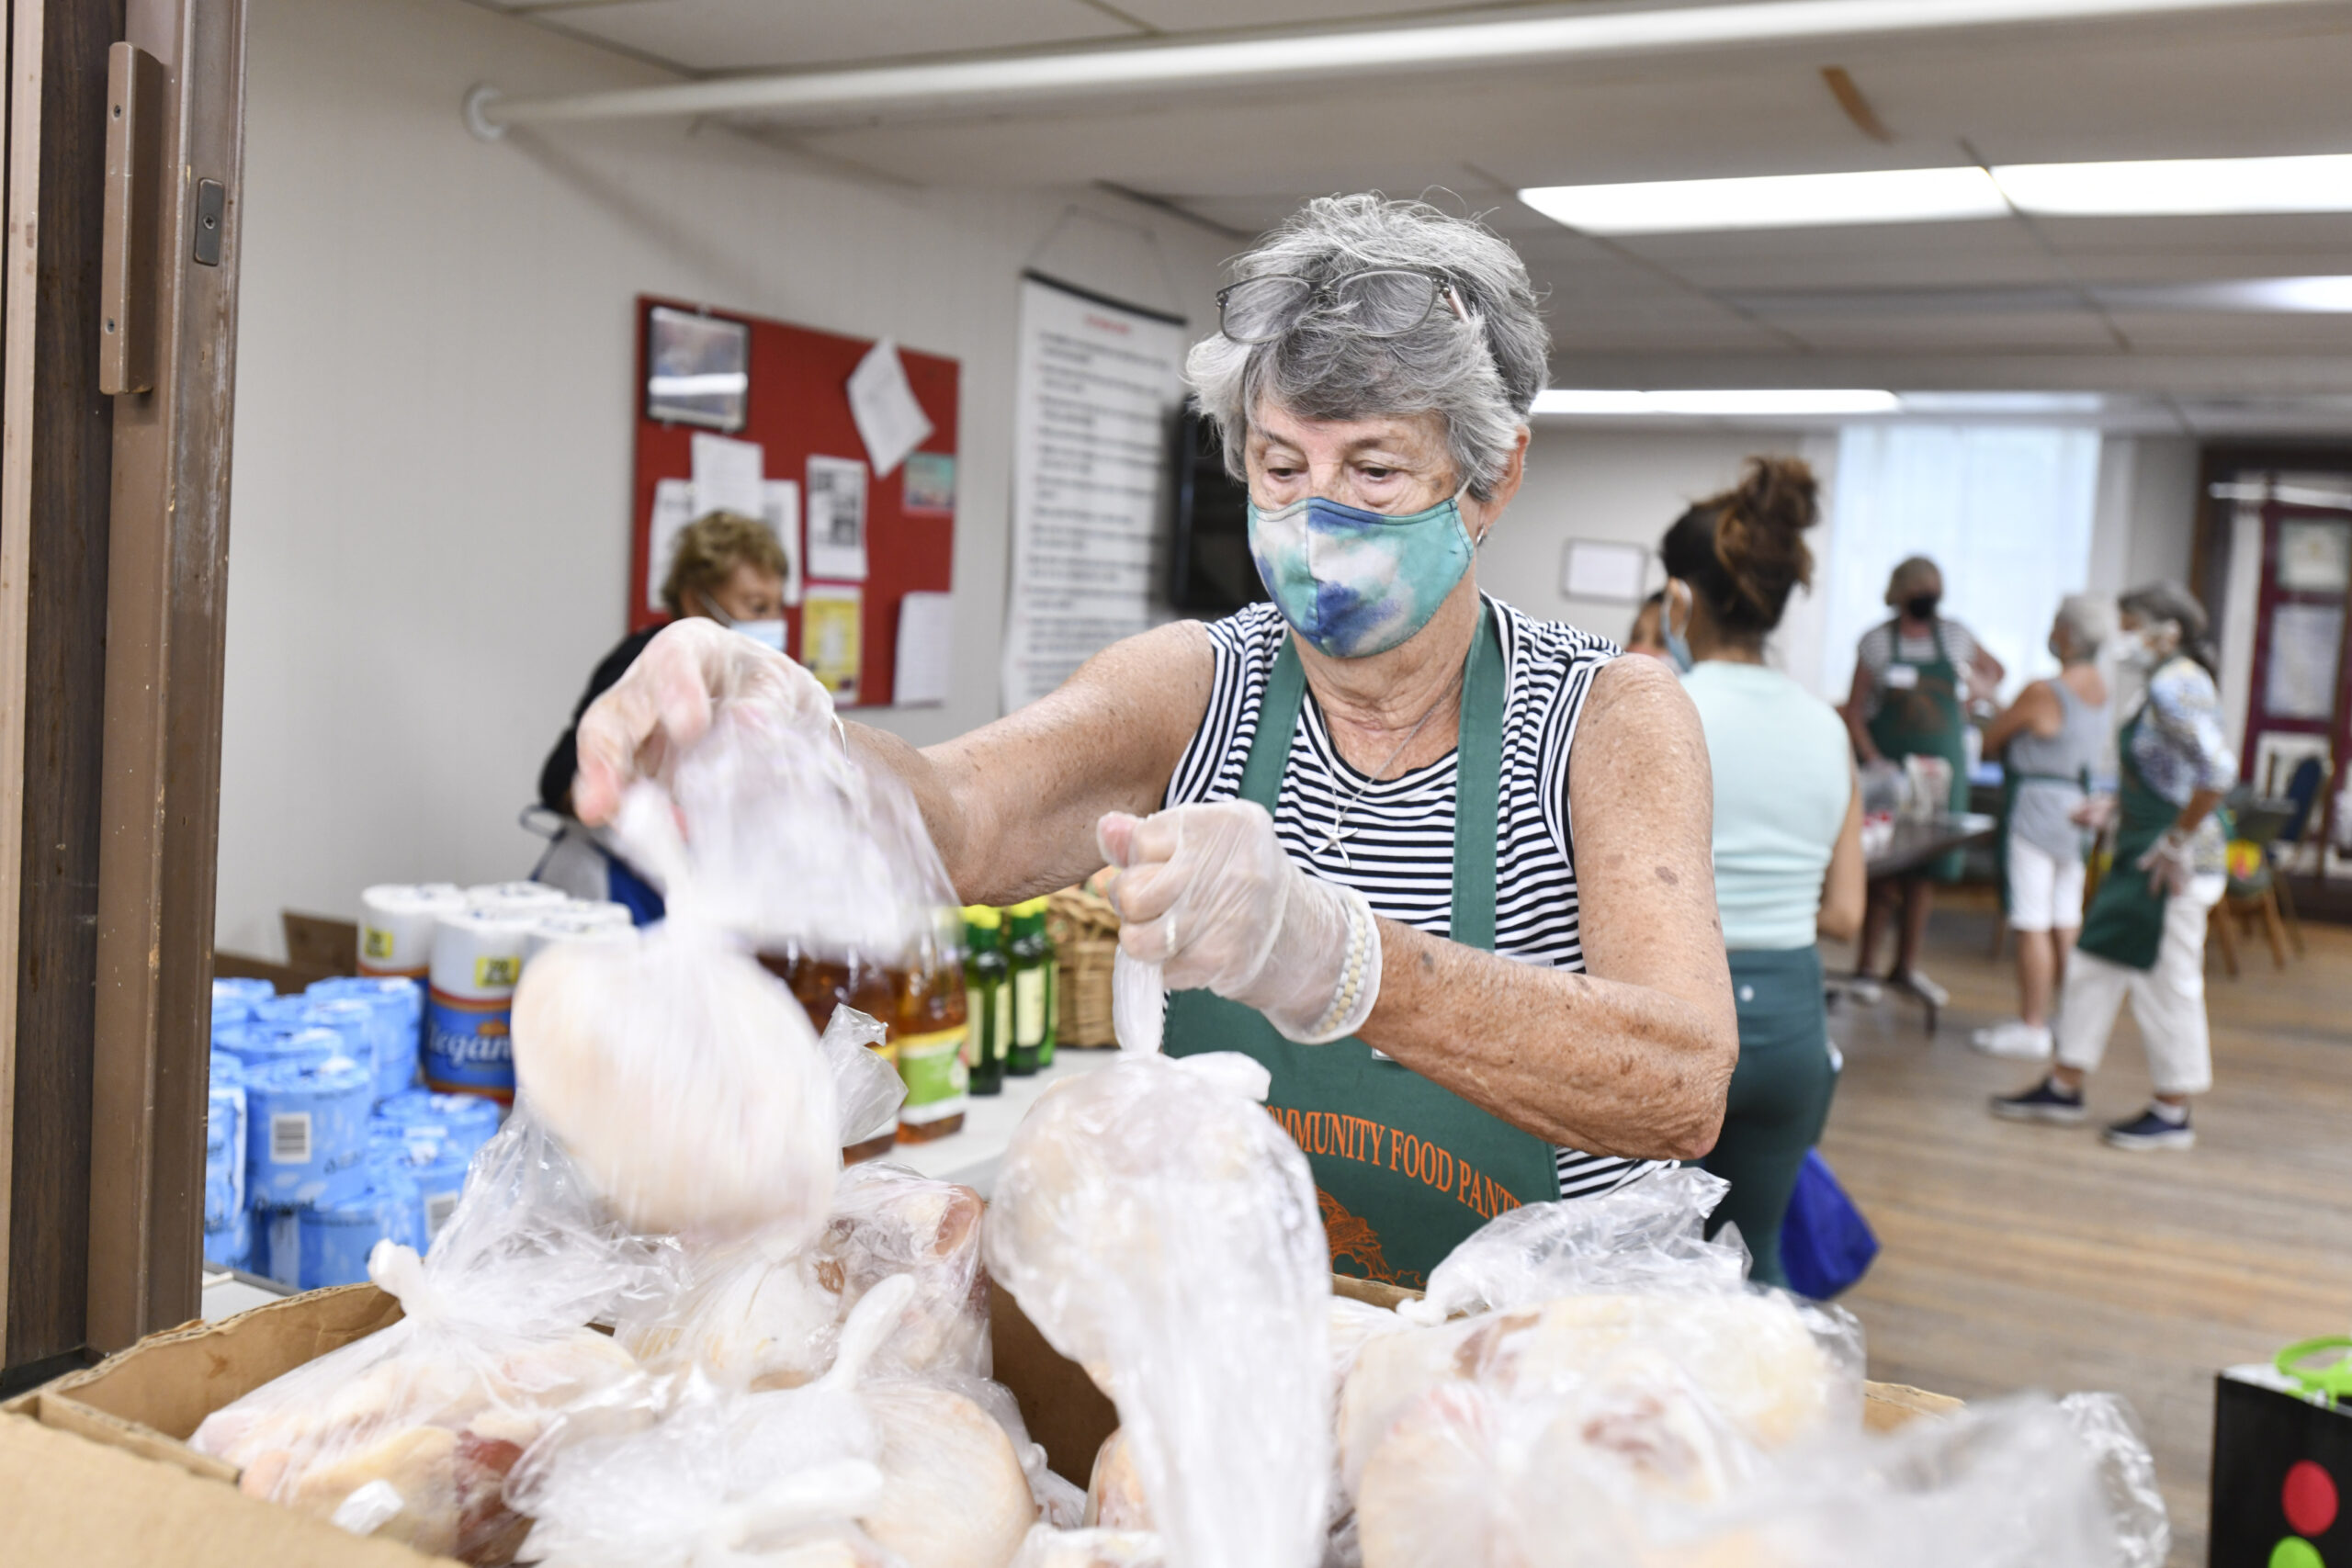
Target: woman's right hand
x: 665, y: 701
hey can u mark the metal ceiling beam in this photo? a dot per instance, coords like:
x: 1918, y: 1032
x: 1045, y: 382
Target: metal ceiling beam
x: 999, y: 83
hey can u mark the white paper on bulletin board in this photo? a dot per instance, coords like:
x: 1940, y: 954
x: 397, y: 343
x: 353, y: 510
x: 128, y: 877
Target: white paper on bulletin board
x: 673, y: 508
x: 1097, y: 385
x: 1599, y: 568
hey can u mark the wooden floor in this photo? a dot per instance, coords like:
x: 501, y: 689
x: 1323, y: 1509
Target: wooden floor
x: 2022, y: 1256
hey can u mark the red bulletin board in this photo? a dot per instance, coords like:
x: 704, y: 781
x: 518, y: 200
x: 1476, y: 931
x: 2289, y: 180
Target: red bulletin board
x: 797, y: 407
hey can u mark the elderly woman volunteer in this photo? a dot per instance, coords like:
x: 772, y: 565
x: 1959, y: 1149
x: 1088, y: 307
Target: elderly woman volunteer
x: 2144, y: 935
x: 1441, y: 867
x: 2048, y: 741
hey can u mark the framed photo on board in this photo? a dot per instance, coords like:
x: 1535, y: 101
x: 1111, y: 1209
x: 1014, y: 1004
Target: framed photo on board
x: 697, y: 368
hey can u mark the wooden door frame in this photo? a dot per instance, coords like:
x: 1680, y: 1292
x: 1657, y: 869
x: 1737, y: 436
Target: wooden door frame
x: 113, y: 557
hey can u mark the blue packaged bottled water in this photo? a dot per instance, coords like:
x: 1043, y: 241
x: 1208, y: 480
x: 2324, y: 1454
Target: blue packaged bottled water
x: 277, y: 1244
x: 306, y: 1138
x: 229, y: 1011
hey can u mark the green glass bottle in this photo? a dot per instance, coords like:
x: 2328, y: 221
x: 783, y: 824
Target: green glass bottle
x: 988, y: 998
x: 1029, y: 957
x: 1052, y: 980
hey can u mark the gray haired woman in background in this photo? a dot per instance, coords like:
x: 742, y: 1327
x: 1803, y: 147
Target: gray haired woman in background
x: 1343, y: 817
x: 2048, y: 740
x: 2144, y: 935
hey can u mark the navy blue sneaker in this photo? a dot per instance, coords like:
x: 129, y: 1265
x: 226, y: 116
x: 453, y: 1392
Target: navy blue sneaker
x: 2044, y: 1103
x: 2150, y: 1131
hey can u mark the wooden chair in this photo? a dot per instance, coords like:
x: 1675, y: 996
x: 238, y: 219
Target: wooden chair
x: 2255, y: 895
x: 2306, y: 788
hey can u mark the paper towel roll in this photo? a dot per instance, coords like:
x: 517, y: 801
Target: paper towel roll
x: 515, y: 895
x: 306, y: 1131
x: 580, y: 921
x: 477, y: 958
x: 397, y: 922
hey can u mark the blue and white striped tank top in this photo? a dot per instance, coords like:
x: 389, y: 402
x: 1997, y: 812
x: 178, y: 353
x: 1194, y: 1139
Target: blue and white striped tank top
x: 1398, y: 845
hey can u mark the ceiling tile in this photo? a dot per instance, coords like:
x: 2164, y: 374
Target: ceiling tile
x: 765, y: 35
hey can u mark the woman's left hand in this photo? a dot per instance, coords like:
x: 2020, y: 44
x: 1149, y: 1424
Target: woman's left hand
x: 1206, y: 892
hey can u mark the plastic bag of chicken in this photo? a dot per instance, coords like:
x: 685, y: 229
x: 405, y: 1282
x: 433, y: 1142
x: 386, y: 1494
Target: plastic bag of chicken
x: 1161, y: 1230
x: 1490, y: 1480
x: 409, y: 1433
x: 683, y: 1076
x: 763, y: 1314
x: 1560, y: 1294
x: 859, y: 1469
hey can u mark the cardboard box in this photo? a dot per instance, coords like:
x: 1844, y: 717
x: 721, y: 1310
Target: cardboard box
x: 96, y: 1470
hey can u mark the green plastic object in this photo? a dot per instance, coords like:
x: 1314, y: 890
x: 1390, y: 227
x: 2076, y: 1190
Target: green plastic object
x: 2332, y: 1382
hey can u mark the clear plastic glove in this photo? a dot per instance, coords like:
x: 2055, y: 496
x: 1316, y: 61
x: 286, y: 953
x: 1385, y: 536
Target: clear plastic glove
x: 1206, y: 892
x: 2170, y: 862
x: 665, y: 700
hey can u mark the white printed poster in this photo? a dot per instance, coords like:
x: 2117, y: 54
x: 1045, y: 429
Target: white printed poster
x: 1099, y: 384
x: 836, y: 506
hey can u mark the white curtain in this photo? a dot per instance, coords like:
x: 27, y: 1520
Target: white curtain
x: 2005, y: 512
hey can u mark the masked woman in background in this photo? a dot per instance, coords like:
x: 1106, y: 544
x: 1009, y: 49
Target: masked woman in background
x: 1913, y: 677
x: 727, y: 569
x: 1343, y: 819
x: 2144, y: 935
x: 1788, y: 830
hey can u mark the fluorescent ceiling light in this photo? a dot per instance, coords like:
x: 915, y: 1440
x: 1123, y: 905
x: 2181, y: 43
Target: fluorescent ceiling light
x: 1771, y: 201
x: 2181, y: 185
x: 1999, y: 403
x: 2154, y: 187
x: 2286, y: 296
x: 1765, y: 402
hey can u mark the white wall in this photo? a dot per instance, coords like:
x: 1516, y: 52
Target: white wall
x: 429, y: 543
x: 2147, y: 523
x: 1628, y: 486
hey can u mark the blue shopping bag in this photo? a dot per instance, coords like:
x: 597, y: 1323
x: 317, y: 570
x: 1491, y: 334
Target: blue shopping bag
x: 1825, y: 1244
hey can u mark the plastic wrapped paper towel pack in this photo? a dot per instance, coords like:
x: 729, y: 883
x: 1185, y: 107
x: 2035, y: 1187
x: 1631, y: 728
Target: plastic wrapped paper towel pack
x: 1160, y: 1229
x: 409, y: 1433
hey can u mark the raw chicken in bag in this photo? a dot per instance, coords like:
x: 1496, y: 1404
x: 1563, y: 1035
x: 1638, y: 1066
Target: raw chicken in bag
x: 409, y: 1433
x: 684, y: 1076
x: 1160, y: 1229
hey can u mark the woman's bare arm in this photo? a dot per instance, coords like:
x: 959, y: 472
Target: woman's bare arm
x: 1845, y: 887
x: 1857, y: 704
x: 1012, y: 805
x: 1634, y: 1056
x: 2036, y: 712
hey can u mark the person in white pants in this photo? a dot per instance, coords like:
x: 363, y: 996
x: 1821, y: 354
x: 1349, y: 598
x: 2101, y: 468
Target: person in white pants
x: 2144, y: 935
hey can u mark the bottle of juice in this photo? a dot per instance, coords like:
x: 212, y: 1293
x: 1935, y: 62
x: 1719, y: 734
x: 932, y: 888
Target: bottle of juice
x: 1052, y: 980
x: 930, y: 1026
x: 984, y: 998
x: 1032, y: 979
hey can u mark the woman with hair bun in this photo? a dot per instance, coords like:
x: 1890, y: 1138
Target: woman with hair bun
x: 1787, y: 828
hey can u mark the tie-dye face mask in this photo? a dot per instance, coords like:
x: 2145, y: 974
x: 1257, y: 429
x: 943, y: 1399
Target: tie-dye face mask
x: 1353, y: 582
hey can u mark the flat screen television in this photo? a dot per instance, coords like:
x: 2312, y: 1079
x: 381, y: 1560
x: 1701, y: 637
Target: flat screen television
x: 1209, y: 569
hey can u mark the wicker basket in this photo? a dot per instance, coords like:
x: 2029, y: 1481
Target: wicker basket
x: 1086, y: 936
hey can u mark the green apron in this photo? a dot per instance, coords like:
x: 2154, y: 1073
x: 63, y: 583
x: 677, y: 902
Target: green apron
x: 1924, y: 719
x: 1404, y: 1169
x: 2125, y: 923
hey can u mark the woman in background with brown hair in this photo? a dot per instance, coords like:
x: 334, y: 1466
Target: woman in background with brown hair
x: 1788, y: 830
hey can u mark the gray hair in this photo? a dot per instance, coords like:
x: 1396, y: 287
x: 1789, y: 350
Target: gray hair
x: 2088, y: 620
x: 1480, y: 375
x: 2167, y: 601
